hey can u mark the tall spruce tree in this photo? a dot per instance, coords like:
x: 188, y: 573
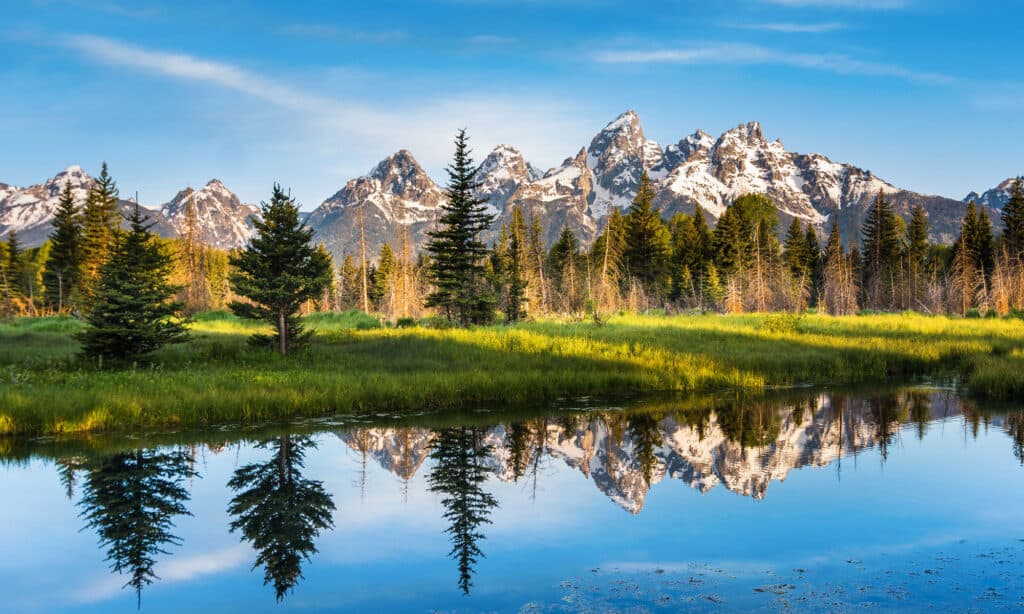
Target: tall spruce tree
x: 881, y: 238
x: 100, y: 223
x: 515, y: 268
x: 794, y: 251
x: 278, y: 271
x: 457, y: 254
x: 15, y: 264
x: 63, y: 265
x: 1013, y: 219
x: 133, y: 313
x: 383, y: 278
x: 917, y: 252
x: 648, y: 250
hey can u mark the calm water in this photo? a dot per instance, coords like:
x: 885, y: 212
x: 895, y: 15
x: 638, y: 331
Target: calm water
x: 813, y: 500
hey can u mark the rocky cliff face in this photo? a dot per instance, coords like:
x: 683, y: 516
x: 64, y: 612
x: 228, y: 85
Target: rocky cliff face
x: 218, y: 217
x: 397, y: 196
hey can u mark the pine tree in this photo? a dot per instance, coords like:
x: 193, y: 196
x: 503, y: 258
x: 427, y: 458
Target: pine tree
x: 713, y: 290
x: 794, y: 251
x: 64, y: 264
x: 814, y: 264
x: 839, y: 285
x: 349, y: 284
x: 1013, y: 219
x: 132, y: 312
x: 648, y: 250
x: 607, y: 252
x: 515, y: 268
x: 15, y: 264
x: 381, y: 290
x: 917, y: 252
x: 456, y: 267
x: 563, y: 263
x: 100, y: 223
x: 881, y: 239
x: 278, y: 271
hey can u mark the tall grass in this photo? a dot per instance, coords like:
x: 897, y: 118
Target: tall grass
x: 354, y: 364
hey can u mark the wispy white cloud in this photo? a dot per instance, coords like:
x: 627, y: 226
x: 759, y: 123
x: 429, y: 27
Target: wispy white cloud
x: 843, y: 4
x: 539, y: 124
x: 344, y: 34
x: 739, y: 53
x: 791, y: 28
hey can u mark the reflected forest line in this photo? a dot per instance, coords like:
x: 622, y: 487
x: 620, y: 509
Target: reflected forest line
x: 131, y: 496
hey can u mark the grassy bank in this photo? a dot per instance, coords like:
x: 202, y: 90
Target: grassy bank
x: 218, y: 378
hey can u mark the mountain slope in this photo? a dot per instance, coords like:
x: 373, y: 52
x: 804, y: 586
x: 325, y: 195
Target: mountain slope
x: 221, y: 220
x: 30, y: 210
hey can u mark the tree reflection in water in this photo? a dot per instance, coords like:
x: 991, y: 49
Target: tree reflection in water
x: 279, y: 511
x: 458, y: 475
x: 130, y: 499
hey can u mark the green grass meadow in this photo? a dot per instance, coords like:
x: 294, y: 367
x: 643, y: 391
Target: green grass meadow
x: 354, y: 364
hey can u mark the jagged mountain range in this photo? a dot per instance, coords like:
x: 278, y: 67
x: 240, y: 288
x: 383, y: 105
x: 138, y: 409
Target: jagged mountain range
x: 397, y: 198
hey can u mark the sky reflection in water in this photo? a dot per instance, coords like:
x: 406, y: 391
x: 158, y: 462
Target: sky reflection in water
x: 812, y: 500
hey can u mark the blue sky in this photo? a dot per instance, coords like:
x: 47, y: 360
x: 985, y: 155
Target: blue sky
x: 928, y: 95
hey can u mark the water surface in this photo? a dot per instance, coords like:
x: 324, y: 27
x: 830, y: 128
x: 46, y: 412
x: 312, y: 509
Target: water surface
x: 808, y: 500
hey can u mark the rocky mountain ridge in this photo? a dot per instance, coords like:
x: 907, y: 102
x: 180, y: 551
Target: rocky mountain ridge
x: 398, y: 199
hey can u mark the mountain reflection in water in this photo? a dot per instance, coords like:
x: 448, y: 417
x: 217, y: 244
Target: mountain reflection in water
x: 131, y: 491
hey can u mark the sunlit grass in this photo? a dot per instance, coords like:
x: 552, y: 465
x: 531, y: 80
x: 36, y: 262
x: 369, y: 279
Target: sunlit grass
x: 354, y: 364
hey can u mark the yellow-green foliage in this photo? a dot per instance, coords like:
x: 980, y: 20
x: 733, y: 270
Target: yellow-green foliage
x: 353, y: 364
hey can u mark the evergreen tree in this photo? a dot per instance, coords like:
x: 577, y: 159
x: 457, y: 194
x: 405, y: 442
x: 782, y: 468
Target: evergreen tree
x: 15, y: 269
x: 687, y: 255
x: 814, y: 264
x: 839, y: 283
x: 607, y: 253
x: 794, y: 251
x: 132, y: 312
x: 280, y: 512
x: 1013, y: 220
x: 349, y: 284
x: 648, y: 250
x: 459, y: 472
x: 457, y: 254
x: 917, y: 253
x: 64, y: 263
x: 881, y: 238
x: 130, y: 499
x: 100, y: 223
x: 564, y: 266
x: 278, y: 271
x: 713, y: 290
x: 515, y: 268
x: 383, y: 278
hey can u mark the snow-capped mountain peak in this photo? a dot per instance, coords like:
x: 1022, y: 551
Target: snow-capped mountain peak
x: 220, y: 219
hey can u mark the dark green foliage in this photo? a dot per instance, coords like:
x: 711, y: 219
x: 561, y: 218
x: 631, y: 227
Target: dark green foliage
x: 100, y: 223
x: 458, y: 474
x: 648, y: 249
x: 278, y: 271
x: 511, y: 267
x: 815, y: 263
x: 457, y: 255
x: 14, y: 265
x: 882, y: 245
x: 382, y: 277
x: 564, y: 255
x: 1013, y: 219
x: 131, y: 499
x: 63, y: 267
x: 280, y: 512
x: 132, y: 312
x: 691, y: 250
x: 976, y: 232
x: 745, y: 234
x: 795, y: 251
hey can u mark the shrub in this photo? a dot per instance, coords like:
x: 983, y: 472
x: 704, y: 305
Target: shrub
x: 782, y: 322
